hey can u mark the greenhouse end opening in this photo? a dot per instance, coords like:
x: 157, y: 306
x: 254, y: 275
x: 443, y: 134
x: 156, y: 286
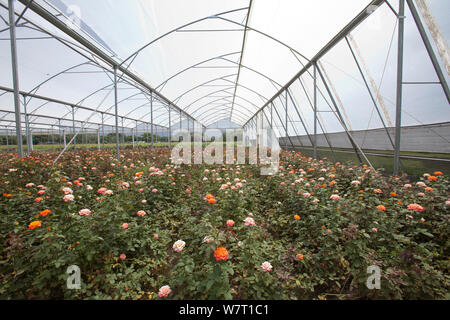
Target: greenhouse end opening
x: 264, y: 150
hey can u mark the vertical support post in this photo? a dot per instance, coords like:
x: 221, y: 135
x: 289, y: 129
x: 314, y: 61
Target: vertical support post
x: 73, y: 128
x: 64, y: 137
x: 27, y: 125
x: 98, y: 138
x: 59, y: 132
x: 103, y: 130
x: 7, y: 139
x: 116, y: 116
x: 287, y: 133
x: 398, y: 108
x: 151, y: 115
x: 315, y: 112
x: 170, y: 133
x: 53, y: 140
x: 132, y: 136
x: 15, y: 75
x: 123, y: 132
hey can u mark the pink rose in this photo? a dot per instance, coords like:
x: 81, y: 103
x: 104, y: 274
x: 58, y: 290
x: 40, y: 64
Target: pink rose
x: 164, y: 291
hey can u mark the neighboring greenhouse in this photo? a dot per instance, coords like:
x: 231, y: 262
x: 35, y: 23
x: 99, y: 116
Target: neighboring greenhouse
x: 111, y: 84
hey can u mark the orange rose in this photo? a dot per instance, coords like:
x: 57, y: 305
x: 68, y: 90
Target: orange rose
x: 297, y: 217
x: 432, y: 178
x: 381, y: 208
x: 34, y: 225
x: 221, y: 254
x: 438, y: 173
x: 212, y: 200
x: 45, y: 212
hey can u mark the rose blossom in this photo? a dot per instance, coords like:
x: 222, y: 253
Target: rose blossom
x: 266, y: 266
x: 415, y: 207
x: 125, y: 226
x: 141, y: 213
x: 164, y: 291
x: 230, y: 223
x: 84, y: 212
x: 179, y: 245
x: 68, y: 198
x: 249, y: 221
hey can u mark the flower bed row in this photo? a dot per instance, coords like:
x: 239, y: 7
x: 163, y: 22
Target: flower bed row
x: 148, y: 229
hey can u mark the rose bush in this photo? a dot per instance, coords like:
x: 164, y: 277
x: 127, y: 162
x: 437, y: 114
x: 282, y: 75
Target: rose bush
x: 144, y: 228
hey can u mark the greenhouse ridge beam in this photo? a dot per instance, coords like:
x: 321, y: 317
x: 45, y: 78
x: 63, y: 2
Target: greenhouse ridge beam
x: 74, y: 35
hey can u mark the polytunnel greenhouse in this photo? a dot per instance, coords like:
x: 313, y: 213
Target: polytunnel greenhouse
x: 224, y: 150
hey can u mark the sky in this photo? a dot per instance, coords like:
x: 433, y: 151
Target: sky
x: 303, y: 25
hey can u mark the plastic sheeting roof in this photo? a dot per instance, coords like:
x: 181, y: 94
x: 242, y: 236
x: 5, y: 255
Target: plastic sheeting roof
x: 212, y: 69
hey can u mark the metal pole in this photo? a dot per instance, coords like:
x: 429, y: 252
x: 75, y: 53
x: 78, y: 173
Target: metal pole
x: 132, y: 136
x: 151, y: 115
x: 103, y: 131
x: 15, y: 75
x: 64, y: 136
x: 170, y: 134
x: 98, y: 138
x: 286, y: 113
x: 398, y: 108
x: 315, y: 111
x: 116, y: 113
x: 27, y: 125
x: 73, y: 128
x: 53, y: 140
x: 7, y: 139
x: 123, y: 132
x: 59, y: 132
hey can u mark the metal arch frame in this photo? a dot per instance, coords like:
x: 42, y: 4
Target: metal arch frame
x: 219, y: 16
x: 210, y: 117
x: 193, y: 66
x: 222, y: 57
x: 219, y: 99
x: 226, y: 103
x: 215, y: 16
x: 225, y: 99
x: 203, y: 84
x: 135, y: 53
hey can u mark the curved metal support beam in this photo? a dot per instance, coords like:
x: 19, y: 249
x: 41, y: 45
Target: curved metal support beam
x: 195, y: 65
x: 135, y: 53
